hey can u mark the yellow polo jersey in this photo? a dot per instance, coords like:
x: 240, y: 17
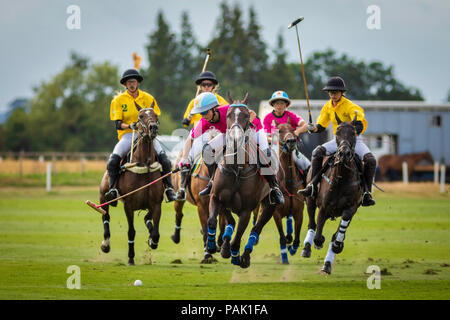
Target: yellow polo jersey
x: 198, y: 116
x: 123, y: 108
x: 345, y: 110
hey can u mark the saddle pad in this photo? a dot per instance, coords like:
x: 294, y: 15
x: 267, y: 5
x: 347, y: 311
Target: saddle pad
x: 196, y: 166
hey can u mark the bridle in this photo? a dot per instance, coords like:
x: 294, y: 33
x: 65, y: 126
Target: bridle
x: 147, y: 128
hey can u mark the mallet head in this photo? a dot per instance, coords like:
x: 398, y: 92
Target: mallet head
x: 295, y: 22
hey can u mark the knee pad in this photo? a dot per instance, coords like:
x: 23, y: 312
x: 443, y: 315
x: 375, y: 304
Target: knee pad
x: 319, y: 151
x: 369, y: 159
x: 113, y: 162
x: 208, y: 154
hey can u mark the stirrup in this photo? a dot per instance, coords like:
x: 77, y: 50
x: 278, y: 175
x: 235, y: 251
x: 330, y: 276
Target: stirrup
x: 207, y: 190
x: 275, y: 192
x: 111, y: 195
x: 181, y: 194
x: 170, y: 195
x: 367, y: 200
x: 309, y: 191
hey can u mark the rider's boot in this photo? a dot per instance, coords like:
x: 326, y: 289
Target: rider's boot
x: 211, y: 170
x: 275, y: 195
x: 316, y: 166
x: 166, y: 168
x: 113, y: 167
x: 370, y: 164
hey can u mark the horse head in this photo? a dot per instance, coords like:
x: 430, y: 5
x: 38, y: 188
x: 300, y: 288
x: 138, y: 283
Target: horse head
x: 288, y: 139
x: 148, y: 121
x: 345, y: 140
x: 238, y: 120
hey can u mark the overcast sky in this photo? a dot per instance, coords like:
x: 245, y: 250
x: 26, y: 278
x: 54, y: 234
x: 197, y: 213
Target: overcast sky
x: 414, y: 35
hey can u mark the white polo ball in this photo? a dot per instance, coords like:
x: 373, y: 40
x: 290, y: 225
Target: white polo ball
x: 138, y: 283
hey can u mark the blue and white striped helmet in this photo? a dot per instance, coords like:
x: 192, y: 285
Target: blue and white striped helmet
x: 204, y: 101
x: 279, y: 95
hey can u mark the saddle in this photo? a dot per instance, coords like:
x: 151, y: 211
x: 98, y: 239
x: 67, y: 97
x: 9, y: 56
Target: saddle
x: 137, y: 167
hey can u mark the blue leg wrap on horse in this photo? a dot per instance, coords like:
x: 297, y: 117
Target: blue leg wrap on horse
x: 284, y: 256
x: 251, y: 241
x: 228, y: 232
x: 293, y: 249
x: 289, y: 228
x: 235, y: 257
x: 211, y: 238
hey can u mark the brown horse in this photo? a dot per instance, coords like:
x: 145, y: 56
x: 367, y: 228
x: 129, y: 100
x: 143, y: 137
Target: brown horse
x: 394, y: 162
x: 194, y: 185
x: 238, y: 187
x: 293, y: 203
x: 149, y: 199
x: 339, y: 193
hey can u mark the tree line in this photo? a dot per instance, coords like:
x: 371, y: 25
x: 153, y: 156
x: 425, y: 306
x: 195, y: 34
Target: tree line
x: 70, y: 112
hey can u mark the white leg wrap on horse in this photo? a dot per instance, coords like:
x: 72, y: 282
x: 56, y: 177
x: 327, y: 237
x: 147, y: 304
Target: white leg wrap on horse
x: 301, y: 161
x: 309, y: 236
x: 342, y: 229
x: 330, y: 254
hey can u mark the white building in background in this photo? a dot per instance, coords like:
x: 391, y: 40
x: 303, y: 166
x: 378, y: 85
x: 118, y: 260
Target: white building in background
x: 394, y: 127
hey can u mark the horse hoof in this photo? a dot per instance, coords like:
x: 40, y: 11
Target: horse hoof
x: 326, y: 267
x: 152, y: 244
x: 105, y: 247
x: 208, y: 259
x: 306, y: 252
x: 175, y: 239
x: 236, y: 261
x: 225, y: 250
x: 318, y: 243
x: 131, y: 262
x: 337, y: 247
x: 245, y: 260
x: 288, y: 238
x: 292, y: 250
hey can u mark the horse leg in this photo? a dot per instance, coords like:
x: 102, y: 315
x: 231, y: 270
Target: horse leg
x: 148, y: 224
x: 225, y: 250
x: 307, y: 244
x: 154, y: 235
x: 105, y: 246
x: 289, y: 229
x: 265, y: 216
x: 298, y: 219
x: 203, y: 216
x: 319, y: 239
x: 277, y: 219
x: 244, y: 219
x: 338, y: 241
x: 222, y: 226
x: 214, y: 207
x: 131, y: 234
x: 178, y: 205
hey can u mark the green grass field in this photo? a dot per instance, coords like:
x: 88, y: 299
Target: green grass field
x: 41, y: 234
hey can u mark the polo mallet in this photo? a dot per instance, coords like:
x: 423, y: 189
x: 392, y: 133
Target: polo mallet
x: 301, y: 63
x: 132, y: 146
x: 99, y: 208
x: 208, y: 55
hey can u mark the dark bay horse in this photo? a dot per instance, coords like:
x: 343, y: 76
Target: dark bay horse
x: 394, y: 162
x: 293, y: 202
x: 238, y: 187
x: 196, y: 182
x: 339, y: 193
x: 150, y: 198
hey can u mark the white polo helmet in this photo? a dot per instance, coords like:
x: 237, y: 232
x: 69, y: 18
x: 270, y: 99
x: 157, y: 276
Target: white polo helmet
x: 279, y: 95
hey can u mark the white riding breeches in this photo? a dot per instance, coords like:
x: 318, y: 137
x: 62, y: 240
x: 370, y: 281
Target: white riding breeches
x: 360, y: 148
x: 124, y: 145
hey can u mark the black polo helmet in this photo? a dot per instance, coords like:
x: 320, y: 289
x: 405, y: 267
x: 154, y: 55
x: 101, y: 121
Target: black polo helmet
x: 206, y: 75
x: 131, y: 74
x: 335, y: 84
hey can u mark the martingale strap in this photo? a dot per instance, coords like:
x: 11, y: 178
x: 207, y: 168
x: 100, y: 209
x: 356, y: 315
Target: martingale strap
x: 136, y: 168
